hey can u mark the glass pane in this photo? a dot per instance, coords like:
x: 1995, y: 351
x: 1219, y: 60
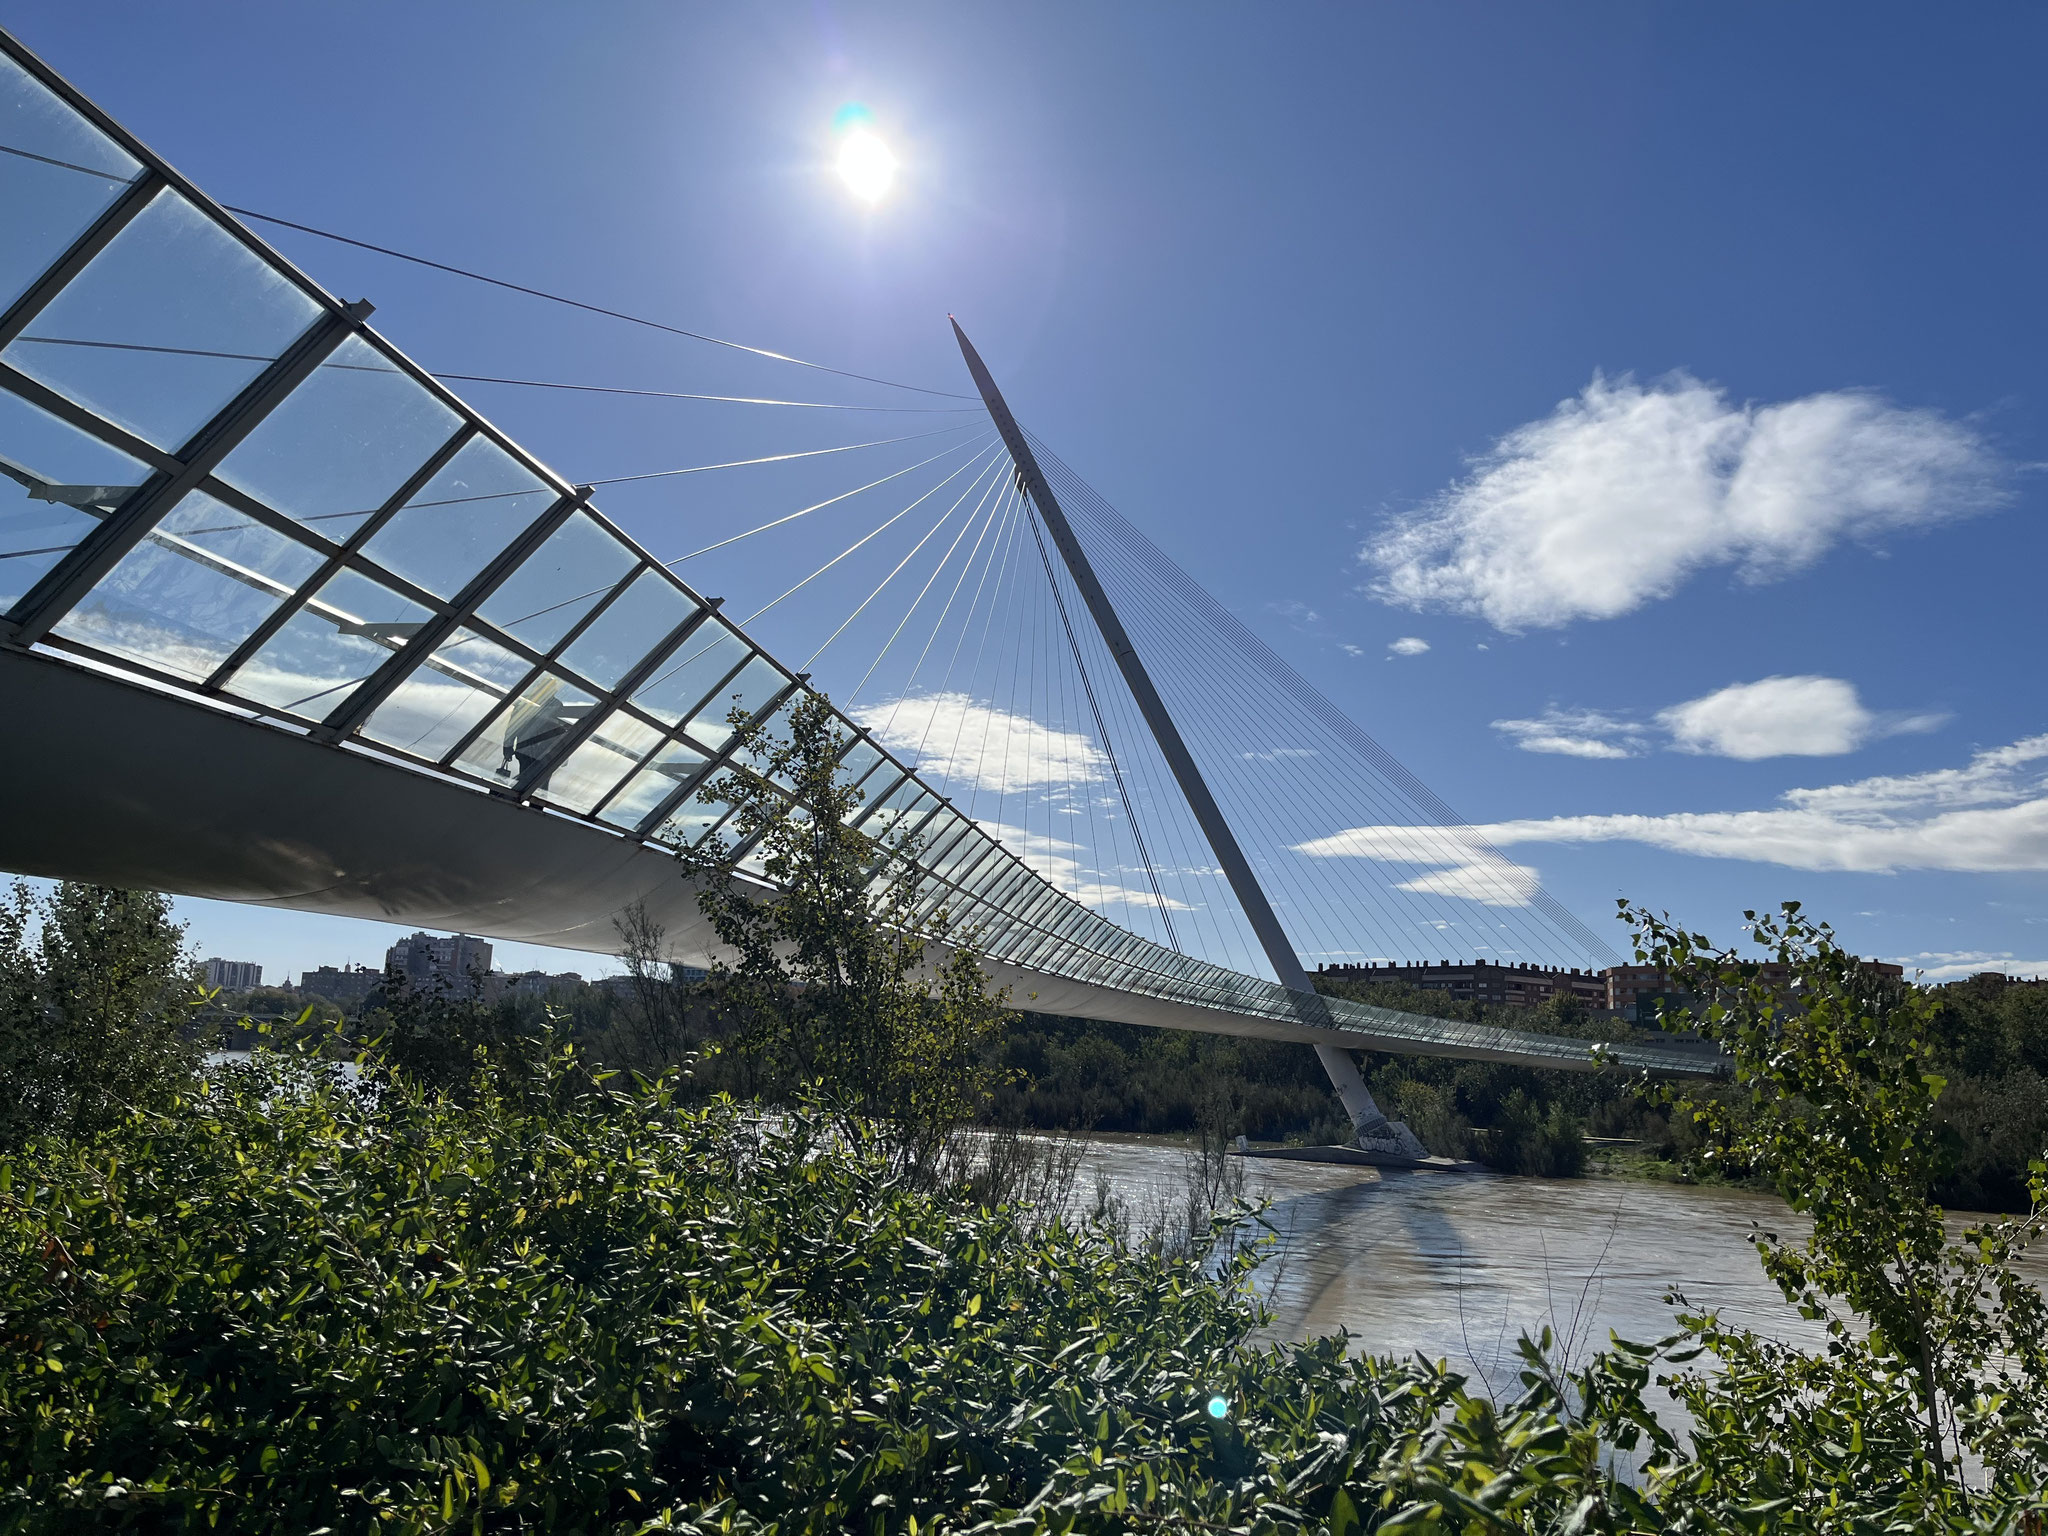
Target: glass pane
x: 342, y: 442
x: 775, y: 734
x: 858, y: 760
x: 433, y: 709
x: 62, y: 176
x: 559, y: 582
x: 685, y: 678
x: 346, y: 631
x: 595, y: 768
x: 482, y: 500
x: 688, y: 823
x: 674, y: 764
x: 528, y: 731
x: 758, y: 682
x: 639, y: 618
x: 165, y: 325
x: 55, y: 485
x: 196, y: 588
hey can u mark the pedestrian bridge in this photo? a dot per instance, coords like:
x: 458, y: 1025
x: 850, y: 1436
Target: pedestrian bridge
x: 287, y: 622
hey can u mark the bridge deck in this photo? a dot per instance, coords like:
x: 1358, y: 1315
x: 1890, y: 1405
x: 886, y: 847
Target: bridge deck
x: 108, y: 780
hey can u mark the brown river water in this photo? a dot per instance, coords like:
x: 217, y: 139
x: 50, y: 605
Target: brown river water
x: 1457, y: 1265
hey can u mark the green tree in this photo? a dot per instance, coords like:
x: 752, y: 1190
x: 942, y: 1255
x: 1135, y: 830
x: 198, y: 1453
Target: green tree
x: 1835, y: 1101
x: 834, y: 978
x: 96, y: 1000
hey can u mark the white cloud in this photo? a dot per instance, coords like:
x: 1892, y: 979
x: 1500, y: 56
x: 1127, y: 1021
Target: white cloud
x: 1773, y: 717
x: 1990, y: 816
x: 1349, y: 649
x: 1574, y: 733
x: 1408, y: 645
x: 1776, y: 717
x: 1958, y: 964
x: 1056, y: 861
x: 1458, y: 868
x: 1621, y: 494
x: 951, y: 737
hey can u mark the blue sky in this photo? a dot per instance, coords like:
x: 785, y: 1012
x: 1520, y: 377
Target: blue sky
x: 1672, y: 374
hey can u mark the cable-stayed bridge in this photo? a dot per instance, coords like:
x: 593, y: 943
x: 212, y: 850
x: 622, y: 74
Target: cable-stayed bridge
x: 285, y: 620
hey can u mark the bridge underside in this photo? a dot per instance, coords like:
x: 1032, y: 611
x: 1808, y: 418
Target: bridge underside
x: 112, y: 782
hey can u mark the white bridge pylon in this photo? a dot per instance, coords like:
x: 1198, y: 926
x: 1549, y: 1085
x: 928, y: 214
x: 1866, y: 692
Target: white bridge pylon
x: 284, y: 620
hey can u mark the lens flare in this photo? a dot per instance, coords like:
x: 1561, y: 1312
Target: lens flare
x: 1219, y: 1407
x: 866, y: 166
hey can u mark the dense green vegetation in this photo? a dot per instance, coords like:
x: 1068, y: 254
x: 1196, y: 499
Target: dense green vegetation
x: 483, y: 1284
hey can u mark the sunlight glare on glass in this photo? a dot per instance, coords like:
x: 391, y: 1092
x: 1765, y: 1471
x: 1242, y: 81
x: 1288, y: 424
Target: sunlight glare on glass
x: 866, y: 166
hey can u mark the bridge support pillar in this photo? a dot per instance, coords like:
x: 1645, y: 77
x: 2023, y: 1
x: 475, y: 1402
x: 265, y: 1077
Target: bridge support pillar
x: 1375, y: 1132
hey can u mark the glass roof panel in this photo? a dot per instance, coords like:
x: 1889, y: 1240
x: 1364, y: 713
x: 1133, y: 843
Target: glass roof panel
x: 165, y: 325
x: 688, y: 824
x: 528, y: 731
x: 55, y: 485
x: 674, y: 764
x: 697, y: 667
x: 482, y: 500
x: 639, y: 618
x: 559, y: 582
x: 858, y: 760
x: 346, y: 631
x: 594, y: 769
x: 62, y: 175
x: 196, y: 588
x: 758, y: 682
x: 440, y: 699
x: 342, y: 443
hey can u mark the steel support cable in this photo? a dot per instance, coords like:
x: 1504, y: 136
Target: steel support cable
x: 1253, y: 796
x: 487, y: 378
x: 1013, y: 654
x: 671, y: 564
x: 996, y: 600
x: 986, y: 551
x: 1101, y: 513
x: 1172, y: 614
x: 1255, y: 800
x: 1102, y: 731
x: 1298, y: 919
x: 944, y: 518
x: 1471, y: 850
x: 831, y: 501
x: 917, y: 602
x: 686, y: 657
x: 988, y: 524
x: 595, y: 309
x: 1176, y: 818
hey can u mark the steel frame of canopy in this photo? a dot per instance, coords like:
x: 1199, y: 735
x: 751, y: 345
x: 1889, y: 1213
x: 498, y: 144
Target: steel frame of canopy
x: 472, y: 609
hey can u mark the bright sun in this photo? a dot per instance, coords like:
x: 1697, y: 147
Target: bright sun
x: 866, y: 166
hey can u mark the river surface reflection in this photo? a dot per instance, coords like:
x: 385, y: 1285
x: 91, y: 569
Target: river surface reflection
x: 1458, y: 1265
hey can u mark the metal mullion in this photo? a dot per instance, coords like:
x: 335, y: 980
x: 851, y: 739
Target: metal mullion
x: 72, y: 414
x: 640, y: 763
x: 621, y: 692
x: 56, y: 277
x: 719, y: 759
x: 974, y: 866
x: 689, y: 715
x: 155, y: 164
x: 102, y: 548
x: 869, y: 807
x: 381, y: 684
x: 336, y: 561
x: 973, y: 844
